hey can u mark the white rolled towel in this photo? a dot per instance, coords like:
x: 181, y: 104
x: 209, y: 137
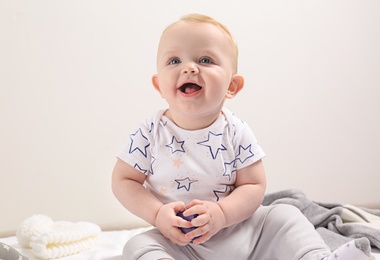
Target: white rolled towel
x: 48, y: 239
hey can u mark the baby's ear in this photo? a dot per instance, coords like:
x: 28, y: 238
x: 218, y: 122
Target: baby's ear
x: 236, y: 84
x: 156, y: 84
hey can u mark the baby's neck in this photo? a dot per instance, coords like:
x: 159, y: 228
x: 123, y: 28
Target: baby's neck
x: 192, y: 122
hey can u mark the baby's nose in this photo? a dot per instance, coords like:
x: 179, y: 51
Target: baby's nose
x: 190, y: 68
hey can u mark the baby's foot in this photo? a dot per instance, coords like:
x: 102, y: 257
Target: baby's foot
x: 357, y: 249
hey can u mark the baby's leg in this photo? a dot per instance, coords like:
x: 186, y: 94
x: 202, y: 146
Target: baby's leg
x: 146, y: 246
x: 153, y: 245
x: 289, y: 235
x: 273, y: 232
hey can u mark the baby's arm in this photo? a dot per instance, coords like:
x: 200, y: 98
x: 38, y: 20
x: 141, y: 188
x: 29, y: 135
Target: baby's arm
x: 247, y: 196
x: 127, y: 185
x: 238, y: 206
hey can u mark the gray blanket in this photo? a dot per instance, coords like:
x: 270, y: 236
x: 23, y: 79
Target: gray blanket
x: 326, y: 218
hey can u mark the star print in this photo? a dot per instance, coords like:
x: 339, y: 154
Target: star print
x: 244, y: 153
x: 139, y: 168
x: 176, y: 146
x: 229, y: 169
x: 227, y: 189
x: 184, y: 183
x: 151, y: 127
x: 214, y: 143
x: 177, y: 162
x: 151, y: 165
x: 6, y: 247
x: 139, y: 143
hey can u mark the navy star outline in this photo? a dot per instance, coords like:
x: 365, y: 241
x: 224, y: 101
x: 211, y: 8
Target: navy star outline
x: 151, y: 127
x: 139, y: 137
x: 184, y: 183
x: 176, y: 146
x: 221, y: 148
x: 244, y: 153
x: 139, y: 168
x: 229, y: 169
x: 151, y: 165
x: 226, y: 189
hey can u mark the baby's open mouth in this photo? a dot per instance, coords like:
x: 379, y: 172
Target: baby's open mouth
x: 190, y: 88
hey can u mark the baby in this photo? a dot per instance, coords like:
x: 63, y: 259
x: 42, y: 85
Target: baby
x: 194, y: 170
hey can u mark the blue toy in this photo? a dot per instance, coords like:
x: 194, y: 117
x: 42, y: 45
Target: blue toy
x: 188, y: 218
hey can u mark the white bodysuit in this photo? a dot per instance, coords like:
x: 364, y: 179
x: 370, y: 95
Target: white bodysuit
x: 182, y: 165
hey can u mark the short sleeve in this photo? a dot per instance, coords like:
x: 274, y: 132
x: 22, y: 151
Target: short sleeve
x: 137, y: 150
x: 247, y: 148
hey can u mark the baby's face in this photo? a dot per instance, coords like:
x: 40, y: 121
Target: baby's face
x: 195, y: 65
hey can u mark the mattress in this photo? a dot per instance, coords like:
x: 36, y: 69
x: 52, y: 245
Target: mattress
x: 109, y: 246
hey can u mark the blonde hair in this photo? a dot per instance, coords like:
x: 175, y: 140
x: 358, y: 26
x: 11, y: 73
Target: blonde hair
x: 200, y: 18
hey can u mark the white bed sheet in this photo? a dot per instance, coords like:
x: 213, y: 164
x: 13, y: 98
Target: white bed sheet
x: 109, y: 246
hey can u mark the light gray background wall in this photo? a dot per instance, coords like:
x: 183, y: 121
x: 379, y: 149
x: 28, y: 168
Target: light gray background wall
x: 75, y: 80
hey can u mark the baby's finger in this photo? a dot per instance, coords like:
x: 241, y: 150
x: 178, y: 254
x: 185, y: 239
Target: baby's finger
x: 193, y: 203
x: 179, y: 206
x: 178, y: 238
x: 204, y: 238
x: 198, y: 209
x: 200, y: 220
x: 195, y: 233
x: 180, y: 222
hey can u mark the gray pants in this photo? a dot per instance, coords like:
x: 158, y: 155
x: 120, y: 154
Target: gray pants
x: 273, y: 232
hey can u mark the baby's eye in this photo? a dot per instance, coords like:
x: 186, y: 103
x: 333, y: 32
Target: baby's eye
x: 174, y: 61
x: 205, y: 60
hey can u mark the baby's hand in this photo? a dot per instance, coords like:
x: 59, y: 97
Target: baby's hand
x: 168, y: 223
x: 209, y: 221
x: 188, y: 218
